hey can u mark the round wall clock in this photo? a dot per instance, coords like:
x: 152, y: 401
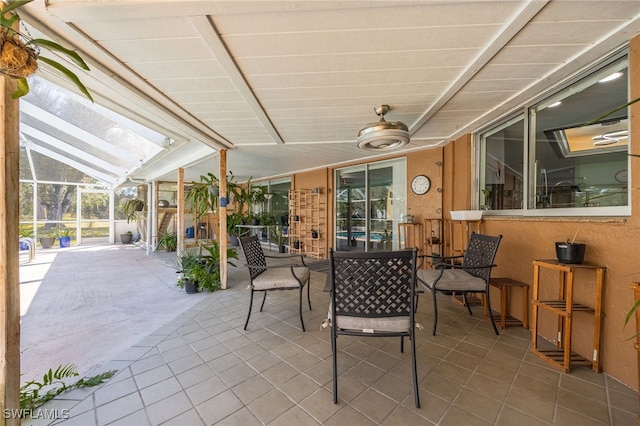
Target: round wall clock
x: 420, y: 184
x: 622, y: 176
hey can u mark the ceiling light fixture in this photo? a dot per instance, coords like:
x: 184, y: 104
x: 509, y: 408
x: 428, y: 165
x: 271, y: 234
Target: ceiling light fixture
x: 611, y: 77
x: 383, y: 135
x: 610, y: 138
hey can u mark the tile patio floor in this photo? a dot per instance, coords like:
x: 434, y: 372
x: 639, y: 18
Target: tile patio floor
x: 202, y: 368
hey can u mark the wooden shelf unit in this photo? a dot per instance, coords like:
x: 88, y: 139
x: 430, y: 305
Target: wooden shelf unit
x: 410, y: 235
x: 458, y: 234
x: 636, y: 293
x: 297, y: 212
x: 314, y: 219
x: 433, y: 239
x: 564, y: 307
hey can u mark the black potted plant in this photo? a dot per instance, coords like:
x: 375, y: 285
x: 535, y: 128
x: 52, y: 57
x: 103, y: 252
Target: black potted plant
x: 202, y: 271
x: 233, y: 231
x: 279, y: 237
x: 296, y: 243
x: 314, y: 233
x: 187, y: 274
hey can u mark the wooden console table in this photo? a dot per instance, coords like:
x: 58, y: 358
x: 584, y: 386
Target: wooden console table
x: 564, y: 307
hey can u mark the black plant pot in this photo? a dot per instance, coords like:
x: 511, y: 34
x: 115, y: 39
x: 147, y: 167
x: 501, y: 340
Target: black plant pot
x: 281, y: 249
x: 296, y: 244
x: 233, y: 239
x: 570, y: 253
x: 126, y: 238
x: 314, y: 235
x: 190, y: 286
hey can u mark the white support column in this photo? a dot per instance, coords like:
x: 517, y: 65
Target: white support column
x: 80, y: 193
x: 112, y: 216
x: 180, y: 211
x: 35, y: 210
x: 152, y: 218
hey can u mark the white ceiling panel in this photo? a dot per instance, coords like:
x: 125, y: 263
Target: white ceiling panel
x: 290, y: 83
x: 354, y: 62
x: 370, y: 14
x: 187, y: 99
x: 193, y: 84
x: 171, y: 70
x: 157, y: 50
x: 177, y: 27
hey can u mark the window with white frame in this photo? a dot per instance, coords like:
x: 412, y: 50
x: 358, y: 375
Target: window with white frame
x: 565, y: 155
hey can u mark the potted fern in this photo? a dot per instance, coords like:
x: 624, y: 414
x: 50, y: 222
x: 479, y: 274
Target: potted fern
x: 132, y: 207
x: 20, y: 55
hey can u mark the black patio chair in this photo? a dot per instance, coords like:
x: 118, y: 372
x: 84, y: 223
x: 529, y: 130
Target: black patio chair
x: 372, y: 295
x: 471, y: 276
x: 277, y: 277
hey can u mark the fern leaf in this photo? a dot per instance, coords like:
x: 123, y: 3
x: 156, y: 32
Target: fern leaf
x: 65, y: 371
x: 55, y: 47
x: 14, y: 5
x: 70, y: 75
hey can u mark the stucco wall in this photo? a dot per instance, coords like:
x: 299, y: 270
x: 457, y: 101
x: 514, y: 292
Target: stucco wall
x: 611, y: 242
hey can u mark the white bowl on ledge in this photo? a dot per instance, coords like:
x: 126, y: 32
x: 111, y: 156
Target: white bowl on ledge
x: 466, y: 214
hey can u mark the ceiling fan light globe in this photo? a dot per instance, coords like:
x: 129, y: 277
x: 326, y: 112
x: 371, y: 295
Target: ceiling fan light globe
x: 383, y: 136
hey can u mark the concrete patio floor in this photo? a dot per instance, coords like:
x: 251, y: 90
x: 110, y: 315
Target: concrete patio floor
x: 186, y: 360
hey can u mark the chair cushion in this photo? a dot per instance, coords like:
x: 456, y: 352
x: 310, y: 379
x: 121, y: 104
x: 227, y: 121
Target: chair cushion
x: 273, y: 278
x: 452, y: 280
x: 376, y: 324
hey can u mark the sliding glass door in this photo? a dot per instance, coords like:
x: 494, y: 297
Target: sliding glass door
x: 370, y: 201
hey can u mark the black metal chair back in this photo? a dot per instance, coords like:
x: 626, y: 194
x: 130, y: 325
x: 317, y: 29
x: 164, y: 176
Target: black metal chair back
x: 373, y: 295
x: 254, y: 255
x: 267, y: 278
x: 373, y: 285
x: 481, y: 251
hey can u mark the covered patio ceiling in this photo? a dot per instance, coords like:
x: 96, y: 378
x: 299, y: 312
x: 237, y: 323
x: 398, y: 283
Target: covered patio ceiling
x: 287, y: 85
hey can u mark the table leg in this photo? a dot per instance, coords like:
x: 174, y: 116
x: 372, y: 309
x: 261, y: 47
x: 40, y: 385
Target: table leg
x: 504, y: 305
x: 525, y: 306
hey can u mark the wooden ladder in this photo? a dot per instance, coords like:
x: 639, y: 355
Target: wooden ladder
x: 167, y: 217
